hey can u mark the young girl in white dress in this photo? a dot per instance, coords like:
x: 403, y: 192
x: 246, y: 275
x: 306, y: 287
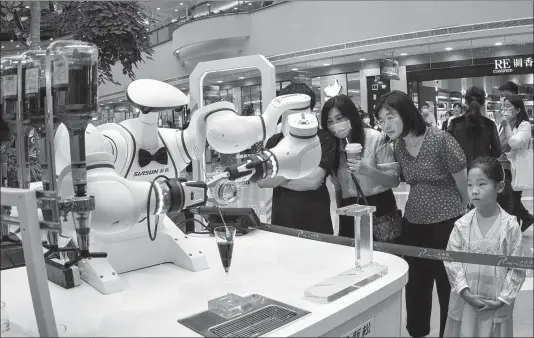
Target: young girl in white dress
x: 482, y: 296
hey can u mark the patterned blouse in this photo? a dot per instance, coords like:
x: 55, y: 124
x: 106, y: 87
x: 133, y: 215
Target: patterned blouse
x: 433, y: 194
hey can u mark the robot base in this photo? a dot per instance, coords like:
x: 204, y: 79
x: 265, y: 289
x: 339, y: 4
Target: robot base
x: 138, y: 252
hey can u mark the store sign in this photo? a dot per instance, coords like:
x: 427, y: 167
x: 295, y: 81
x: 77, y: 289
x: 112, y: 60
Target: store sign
x: 389, y: 69
x: 509, y: 65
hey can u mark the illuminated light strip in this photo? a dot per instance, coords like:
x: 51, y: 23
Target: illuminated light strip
x: 159, y: 199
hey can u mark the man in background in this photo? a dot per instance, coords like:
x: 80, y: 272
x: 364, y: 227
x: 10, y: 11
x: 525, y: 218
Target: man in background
x: 428, y: 115
x: 509, y: 88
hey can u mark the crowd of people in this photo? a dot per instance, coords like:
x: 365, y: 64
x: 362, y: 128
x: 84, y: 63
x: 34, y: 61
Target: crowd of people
x: 461, y: 197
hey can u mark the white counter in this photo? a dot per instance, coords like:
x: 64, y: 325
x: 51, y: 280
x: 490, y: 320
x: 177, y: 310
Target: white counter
x: 276, y: 266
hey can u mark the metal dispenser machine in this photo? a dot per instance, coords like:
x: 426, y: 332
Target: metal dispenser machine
x: 365, y: 270
x: 9, y: 115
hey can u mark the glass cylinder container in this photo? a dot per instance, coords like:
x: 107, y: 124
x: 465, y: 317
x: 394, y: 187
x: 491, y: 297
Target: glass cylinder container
x: 74, y: 80
x: 34, y: 87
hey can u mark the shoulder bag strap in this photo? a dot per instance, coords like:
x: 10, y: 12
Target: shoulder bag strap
x: 359, y: 189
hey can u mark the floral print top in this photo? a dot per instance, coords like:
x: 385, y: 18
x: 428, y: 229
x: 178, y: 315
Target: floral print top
x: 433, y: 196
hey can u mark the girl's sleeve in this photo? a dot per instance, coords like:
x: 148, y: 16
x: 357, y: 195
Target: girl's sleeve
x: 514, y: 277
x: 522, y: 136
x: 455, y: 270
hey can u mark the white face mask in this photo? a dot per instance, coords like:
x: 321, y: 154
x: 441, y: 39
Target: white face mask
x: 341, y: 129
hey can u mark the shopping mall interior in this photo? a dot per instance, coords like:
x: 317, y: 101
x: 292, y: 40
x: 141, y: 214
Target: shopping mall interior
x: 434, y: 51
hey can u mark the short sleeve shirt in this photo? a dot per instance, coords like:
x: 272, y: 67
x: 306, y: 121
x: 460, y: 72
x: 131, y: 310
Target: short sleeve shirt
x: 433, y: 196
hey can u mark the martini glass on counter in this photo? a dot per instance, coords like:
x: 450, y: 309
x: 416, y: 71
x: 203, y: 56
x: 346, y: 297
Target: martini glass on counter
x: 229, y: 305
x: 225, y: 242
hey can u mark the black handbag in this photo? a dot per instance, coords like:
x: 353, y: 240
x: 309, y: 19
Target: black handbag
x: 386, y: 228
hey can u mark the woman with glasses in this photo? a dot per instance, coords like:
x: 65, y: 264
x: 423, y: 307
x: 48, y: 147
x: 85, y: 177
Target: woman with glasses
x: 514, y: 133
x: 434, y: 166
x: 376, y: 172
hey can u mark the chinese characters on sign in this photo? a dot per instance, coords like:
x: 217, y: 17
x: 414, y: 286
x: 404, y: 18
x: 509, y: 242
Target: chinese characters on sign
x: 508, y: 65
x: 364, y: 330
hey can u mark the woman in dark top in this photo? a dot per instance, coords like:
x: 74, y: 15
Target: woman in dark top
x: 475, y: 133
x: 434, y: 166
x: 303, y: 203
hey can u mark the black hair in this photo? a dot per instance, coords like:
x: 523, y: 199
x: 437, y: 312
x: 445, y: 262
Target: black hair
x: 518, y: 103
x: 475, y: 97
x: 457, y: 104
x: 371, y: 117
x: 493, y: 169
x: 412, y: 119
x: 490, y: 166
x: 348, y: 109
x: 300, y: 88
x: 509, y: 87
x: 425, y: 105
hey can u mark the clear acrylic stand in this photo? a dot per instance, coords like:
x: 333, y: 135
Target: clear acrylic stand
x: 365, y: 270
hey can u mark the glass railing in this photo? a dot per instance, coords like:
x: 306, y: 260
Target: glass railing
x: 207, y: 9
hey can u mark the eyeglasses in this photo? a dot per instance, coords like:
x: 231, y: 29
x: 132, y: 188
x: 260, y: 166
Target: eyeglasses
x: 388, y: 120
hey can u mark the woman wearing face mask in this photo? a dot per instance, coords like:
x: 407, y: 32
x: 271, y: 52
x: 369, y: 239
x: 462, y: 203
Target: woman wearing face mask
x: 376, y: 173
x: 514, y: 132
x: 434, y: 166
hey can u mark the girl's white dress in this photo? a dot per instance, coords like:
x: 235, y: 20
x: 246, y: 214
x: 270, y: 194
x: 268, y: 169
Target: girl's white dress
x: 504, y: 238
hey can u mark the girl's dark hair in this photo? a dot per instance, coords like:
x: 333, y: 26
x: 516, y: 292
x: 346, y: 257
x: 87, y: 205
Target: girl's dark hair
x: 457, y: 104
x: 412, y: 119
x: 518, y: 103
x: 475, y: 97
x: 347, y: 108
x: 492, y: 168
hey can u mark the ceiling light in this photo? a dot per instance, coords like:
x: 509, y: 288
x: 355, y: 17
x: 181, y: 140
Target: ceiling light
x: 18, y: 52
x: 11, y: 40
x: 294, y: 69
x: 27, y: 6
x: 448, y: 48
x: 250, y: 3
x: 158, y: 8
x: 235, y: 7
x: 51, y: 39
x: 181, y: 3
x: 241, y: 77
x: 176, y: 10
x: 362, y: 59
x: 174, y: 20
x: 2, y: 46
x: 184, y: 88
x: 17, y: 46
x: 498, y: 43
x: 326, y: 64
x: 403, y: 54
x: 219, y: 81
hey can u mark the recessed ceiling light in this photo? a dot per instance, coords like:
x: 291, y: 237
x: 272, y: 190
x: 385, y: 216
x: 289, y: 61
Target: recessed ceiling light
x: 448, y: 48
x: 219, y: 81
x: 18, y: 52
x: 158, y: 8
x: 403, y: 54
x: 11, y: 40
x: 294, y: 69
x: 17, y: 46
x: 51, y: 39
x: 241, y: 77
x: 498, y: 43
x: 326, y: 64
x: 181, y: 3
x: 27, y: 6
x: 176, y: 10
x: 362, y: 59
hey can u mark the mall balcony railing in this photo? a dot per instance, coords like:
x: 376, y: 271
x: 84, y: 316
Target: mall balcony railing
x: 164, y: 33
